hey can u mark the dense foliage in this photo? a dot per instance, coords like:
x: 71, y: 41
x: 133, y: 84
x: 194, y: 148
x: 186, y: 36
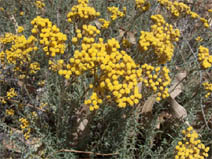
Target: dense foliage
x: 117, y: 79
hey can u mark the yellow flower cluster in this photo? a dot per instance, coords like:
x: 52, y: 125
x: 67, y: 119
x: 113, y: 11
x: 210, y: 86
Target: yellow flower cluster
x: 56, y: 65
x: 2, y: 100
x: 175, y: 7
x: 11, y: 93
x: 105, y: 23
x: 115, y: 12
x: 199, y: 39
x: 25, y: 127
x: 82, y: 11
x: 160, y: 38
x: 39, y: 4
x: 89, y: 32
x: 41, y: 83
x: 34, y: 67
x: 34, y: 115
x: 191, y: 147
x: 207, y: 87
x: 10, y: 112
x: 20, y: 29
x: 142, y: 5
x: 19, y: 52
x: 93, y: 102
x: 118, y: 75
x: 22, y: 76
x: 179, y: 8
x: 204, y: 57
x: 51, y: 38
x: 157, y: 79
x: 43, y: 105
x: 1, y: 9
x: 8, y: 38
x: 21, y: 13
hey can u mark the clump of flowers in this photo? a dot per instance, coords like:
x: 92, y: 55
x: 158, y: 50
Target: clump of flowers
x: 56, y: 65
x: 20, y: 29
x: 116, y: 13
x: 142, y: 5
x: 34, y: 115
x: 50, y: 37
x: 191, y: 147
x: 25, y: 127
x: 157, y: 79
x: 88, y: 34
x: 39, y: 4
x: 34, y: 67
x: 208, y: 88
x: 8, y: 38
x: 41, y: 83
x: 179, y: 8
x: 2, y: 100
x: 11, y: 93
x: 19, y: 54
x: 93, y: 102
x: 21, y: 13
x: 199, y: 38
x: 105, y: 23
x: 19, y: 51
x: 175, y: 7
x: 160, y: 39
x: 115, y: 73
x: 82, y: 11
x: 204, y: 57
x: 10, y: 112
x: 43, y: 105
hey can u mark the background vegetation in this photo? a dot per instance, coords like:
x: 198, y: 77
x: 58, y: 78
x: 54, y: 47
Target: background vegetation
x: 44, y: 113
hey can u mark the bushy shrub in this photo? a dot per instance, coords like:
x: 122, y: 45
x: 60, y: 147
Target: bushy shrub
x: 116, y: 79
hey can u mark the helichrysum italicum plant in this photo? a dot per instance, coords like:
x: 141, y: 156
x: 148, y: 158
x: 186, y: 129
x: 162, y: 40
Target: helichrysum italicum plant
x: 11, y: 93
x: 204, y: 57
x: 160, y: 38
x: 199, y: 39
x: 179, y: 9
x: 111, y: 63
x: 25, y: 127
x: 157, y: 79
x: 20, y: 29
x: 39, y: 4
x: 142, y: 5
x: 115, y: 13
x: 50, y: 37
x: 20, y: 52
x: 62, y: 70
x: 208, y: 87
x: 105, y: 23
x: 34, y: 67
x: 82, y: 11
x: 10, y: 112
x: 191, y: 146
